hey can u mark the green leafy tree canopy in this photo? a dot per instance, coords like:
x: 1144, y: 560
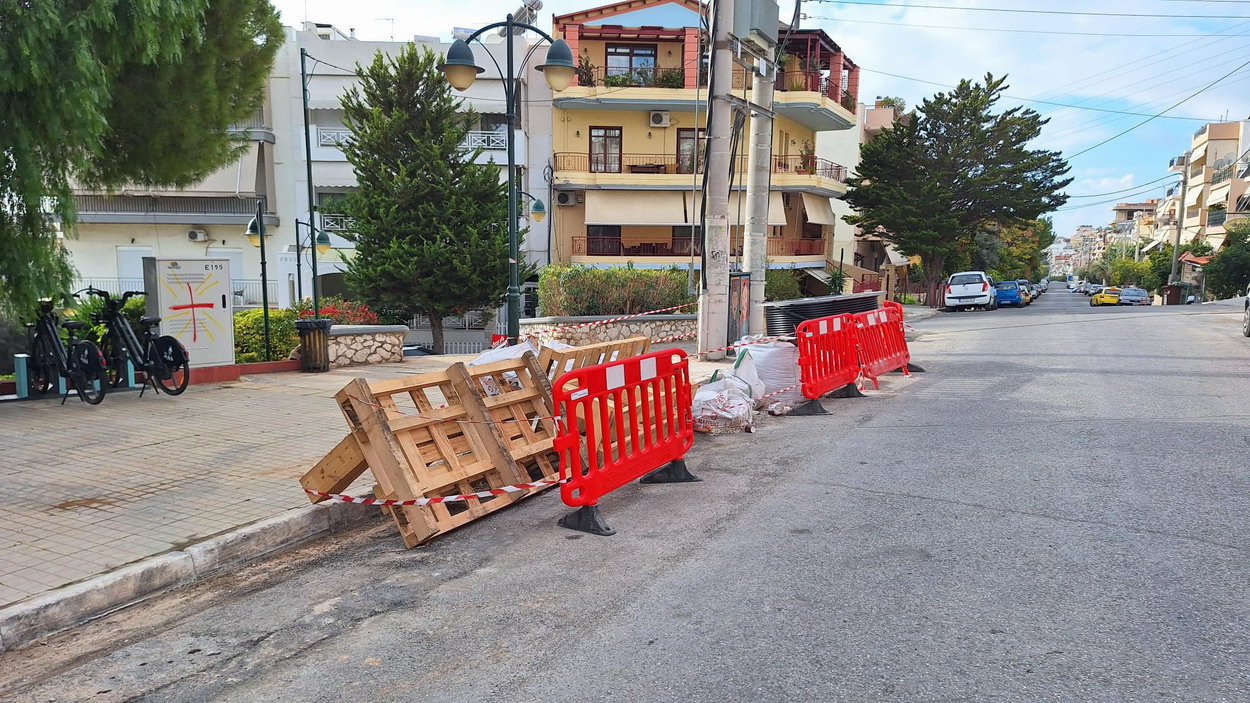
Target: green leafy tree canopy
x: 107, y: 93
x: 930, y: 184
x: 1228, y: 274
x: 429, y: 223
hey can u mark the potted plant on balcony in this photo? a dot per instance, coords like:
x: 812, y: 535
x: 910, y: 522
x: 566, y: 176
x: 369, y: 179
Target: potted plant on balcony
x: 585, y: 71
x: 807, y: 158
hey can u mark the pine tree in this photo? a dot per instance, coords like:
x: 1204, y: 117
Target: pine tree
x: 930, y: 184
x: 428, y: 223
x: 108, y: 93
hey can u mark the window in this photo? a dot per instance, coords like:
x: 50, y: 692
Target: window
x: 686, y: 240
x: 966, y: 279
x: 634, y: 61
x: 603, y: 240
x: 605, y: 149
x: 690, y: 145
x: 492, y: 123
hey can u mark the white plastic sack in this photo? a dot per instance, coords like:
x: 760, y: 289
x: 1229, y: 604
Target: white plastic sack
x: 723, y: 406
x: 515, y: 351
x: 777, y: 364
x: 744, y: 368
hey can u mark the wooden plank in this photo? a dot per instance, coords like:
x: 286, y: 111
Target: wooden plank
x: 337, y: 470
x: 473, y: 398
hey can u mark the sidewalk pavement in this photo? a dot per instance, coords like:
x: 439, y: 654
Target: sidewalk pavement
x: 89, y: 492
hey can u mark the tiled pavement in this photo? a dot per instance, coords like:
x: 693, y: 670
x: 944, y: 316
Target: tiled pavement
x: 84, y: 490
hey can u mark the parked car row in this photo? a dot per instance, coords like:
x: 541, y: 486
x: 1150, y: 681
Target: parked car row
x: 1113, y: 295
x: 969, y: 290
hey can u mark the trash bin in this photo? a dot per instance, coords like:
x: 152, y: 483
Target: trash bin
x: 314, y: 345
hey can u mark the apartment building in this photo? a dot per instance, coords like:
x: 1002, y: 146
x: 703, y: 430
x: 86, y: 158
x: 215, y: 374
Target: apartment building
x: 1215, y: 170
x: 628, y: 141
x: 117, y: 229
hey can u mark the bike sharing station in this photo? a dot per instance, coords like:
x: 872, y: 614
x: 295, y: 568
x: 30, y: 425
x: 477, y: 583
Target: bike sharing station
x: 191, y: 298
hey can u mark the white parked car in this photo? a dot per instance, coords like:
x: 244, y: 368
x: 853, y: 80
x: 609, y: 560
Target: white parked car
x: 969, y: 289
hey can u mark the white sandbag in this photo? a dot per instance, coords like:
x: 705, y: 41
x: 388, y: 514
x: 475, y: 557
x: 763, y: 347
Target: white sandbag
x: 723, y: 406
x: 777, y: 364
x: 744, y: 368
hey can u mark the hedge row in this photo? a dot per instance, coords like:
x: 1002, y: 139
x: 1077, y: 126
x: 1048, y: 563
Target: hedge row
x: 566, y: 290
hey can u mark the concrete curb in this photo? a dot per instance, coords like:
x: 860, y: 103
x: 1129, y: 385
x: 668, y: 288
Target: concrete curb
x: 77, y: 603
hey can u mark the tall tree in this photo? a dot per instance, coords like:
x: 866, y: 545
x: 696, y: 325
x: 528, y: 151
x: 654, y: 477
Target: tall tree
x: 429, y: 223
x: 108, y: 93
x: 930, y: 184
x: 1228, y: 274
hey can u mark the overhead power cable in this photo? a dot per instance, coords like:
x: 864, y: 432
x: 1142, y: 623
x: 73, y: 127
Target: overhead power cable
x: 1104, y: 35
x: 1043, y: 102
x: 1191, y: 96
x: 1036, y: 12
x: 1113, y: 192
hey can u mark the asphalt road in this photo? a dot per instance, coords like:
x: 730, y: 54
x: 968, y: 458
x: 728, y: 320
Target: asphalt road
x: 1058, y: 510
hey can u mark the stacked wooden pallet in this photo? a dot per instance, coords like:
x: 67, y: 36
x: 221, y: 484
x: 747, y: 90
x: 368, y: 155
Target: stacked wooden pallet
x: 462, y: 430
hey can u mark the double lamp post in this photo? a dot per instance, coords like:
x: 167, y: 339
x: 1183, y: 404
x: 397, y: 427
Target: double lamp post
x: 461, y: 71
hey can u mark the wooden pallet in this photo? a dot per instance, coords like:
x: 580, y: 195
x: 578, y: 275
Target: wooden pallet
x: 447, y: 433
x: 556, y: 362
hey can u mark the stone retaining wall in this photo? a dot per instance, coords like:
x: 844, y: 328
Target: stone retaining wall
x: 651, y: 327
x: 353, y: 345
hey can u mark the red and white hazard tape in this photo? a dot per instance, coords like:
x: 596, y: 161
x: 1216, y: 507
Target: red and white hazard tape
x: 596, y: 323
x: 502, y: 490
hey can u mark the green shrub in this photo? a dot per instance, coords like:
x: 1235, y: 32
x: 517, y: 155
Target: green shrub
x: 782, y: 284
x: 565, y: 289
x: 90, y: 305
x: 249, y: 335
x: 671, y: 78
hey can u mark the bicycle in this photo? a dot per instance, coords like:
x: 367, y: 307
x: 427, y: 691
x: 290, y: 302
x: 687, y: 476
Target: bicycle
x: 165, y: 364
x: 80, y: 362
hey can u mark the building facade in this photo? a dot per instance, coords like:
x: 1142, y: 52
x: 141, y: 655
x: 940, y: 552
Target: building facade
x: 628, y: 141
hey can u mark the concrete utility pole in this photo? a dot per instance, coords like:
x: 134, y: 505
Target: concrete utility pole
x: 759, y: 162
x: 714, y: 297
x: 1174, y: 277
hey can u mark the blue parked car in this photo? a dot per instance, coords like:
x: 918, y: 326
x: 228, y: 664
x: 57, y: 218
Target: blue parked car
x: 1008, y: 293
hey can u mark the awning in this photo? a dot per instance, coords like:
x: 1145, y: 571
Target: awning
x: 635, y: 207
x: 334, y: 174
x: 1192, y: 195
x: 1151, y: 246
x: 1216, y: 241
x: 738, y: 208
x: 1197, y: 155
x: 819, y: 211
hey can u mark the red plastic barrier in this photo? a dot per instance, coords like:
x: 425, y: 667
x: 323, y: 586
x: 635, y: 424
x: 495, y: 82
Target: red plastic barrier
x: 621, y: 420
x: 827, y: 354
x: 882, y: 342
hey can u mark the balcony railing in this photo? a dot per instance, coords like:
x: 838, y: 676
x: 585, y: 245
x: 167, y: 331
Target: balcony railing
x: 174, y: 205
x: 337, y: 223
x: 687, y: 164
x: 803, y: 164
x: 1222, y: 174
x: 803, y: 81
x: 486, y: 140
x: 642, y: 77
x: 1200, y: 131
x: 615, y: 246
x: 332, y: 137
x: 1216, y: 218
x: 246, y: 290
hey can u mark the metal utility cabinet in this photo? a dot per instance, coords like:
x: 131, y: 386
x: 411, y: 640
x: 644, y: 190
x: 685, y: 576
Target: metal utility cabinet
x: 194, y: 300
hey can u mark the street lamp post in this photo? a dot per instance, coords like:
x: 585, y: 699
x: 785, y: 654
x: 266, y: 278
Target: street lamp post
x: 312, y: 205
x: 461, y: 71
x: 319, y: 241
x: 256, y: 235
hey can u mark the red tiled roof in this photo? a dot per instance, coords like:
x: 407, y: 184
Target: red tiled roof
x: 1189, y: 258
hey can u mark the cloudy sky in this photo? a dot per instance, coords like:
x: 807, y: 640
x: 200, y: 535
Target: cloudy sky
x: 1142, y: 56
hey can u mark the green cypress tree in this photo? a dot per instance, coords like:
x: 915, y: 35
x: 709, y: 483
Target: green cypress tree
x: 429, y: 223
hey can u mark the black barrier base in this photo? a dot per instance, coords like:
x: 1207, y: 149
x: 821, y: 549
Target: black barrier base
x: 811, y: 407
x: 911, y: 368
x: 850, y: 390
x: 675, y: 472
x: 587, y: 519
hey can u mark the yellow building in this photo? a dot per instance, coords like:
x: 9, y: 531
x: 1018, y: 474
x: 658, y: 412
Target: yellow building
x: 628, y: 140
x: 1214, y: 188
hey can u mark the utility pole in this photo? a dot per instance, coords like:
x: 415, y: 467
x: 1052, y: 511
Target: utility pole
x: 1174, y: 277
x: 759, y: 162
x: 714, y: 296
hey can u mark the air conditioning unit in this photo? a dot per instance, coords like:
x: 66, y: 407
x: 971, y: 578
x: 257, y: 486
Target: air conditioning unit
x: 197, y: 235
x: 569, y: 198
x: 661, y: 118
